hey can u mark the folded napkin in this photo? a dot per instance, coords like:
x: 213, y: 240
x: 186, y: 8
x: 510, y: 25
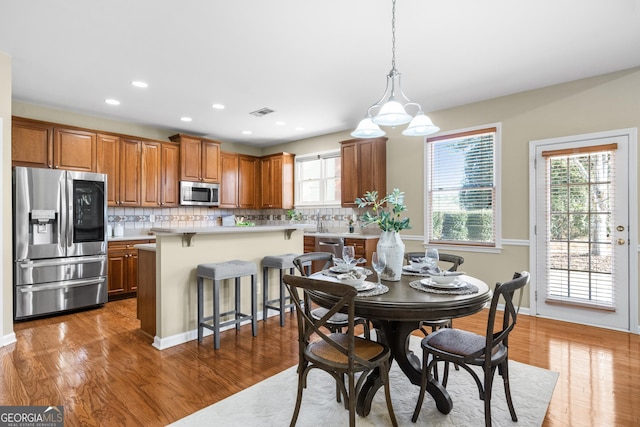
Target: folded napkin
x: 436, y: 271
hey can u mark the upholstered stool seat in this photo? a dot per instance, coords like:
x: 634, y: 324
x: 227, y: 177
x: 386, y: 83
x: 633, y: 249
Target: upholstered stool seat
x: 282, y: 263
x: 217, y: 272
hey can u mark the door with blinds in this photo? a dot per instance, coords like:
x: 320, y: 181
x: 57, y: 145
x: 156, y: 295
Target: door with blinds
x: 582, y: 249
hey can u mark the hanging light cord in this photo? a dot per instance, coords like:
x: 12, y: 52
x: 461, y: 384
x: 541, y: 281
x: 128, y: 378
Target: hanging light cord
x: 393, y: 36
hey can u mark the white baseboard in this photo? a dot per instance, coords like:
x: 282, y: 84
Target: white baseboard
x: 183, y: 337
x: 8, y: 339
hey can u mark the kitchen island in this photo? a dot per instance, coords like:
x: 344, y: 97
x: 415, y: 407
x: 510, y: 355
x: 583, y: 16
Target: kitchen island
x: 178, y: 251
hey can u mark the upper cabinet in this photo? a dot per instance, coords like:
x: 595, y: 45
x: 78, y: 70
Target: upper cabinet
x: 239, y: 176
x: 119, y: 158
x: 41, y: 145
x: 364, y: 168
x: 276, y: 181
x: 160, y: 164
x: 199, y: 158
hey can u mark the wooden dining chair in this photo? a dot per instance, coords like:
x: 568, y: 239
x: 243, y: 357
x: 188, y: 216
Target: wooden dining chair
x: 339, y: 354
x: 338, y: 321
x: 467, y: 349
x: 455, y: 261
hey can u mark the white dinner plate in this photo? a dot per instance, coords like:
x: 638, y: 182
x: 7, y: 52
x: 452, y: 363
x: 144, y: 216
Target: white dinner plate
x: 453, y: 285
x: 366, y: 286
x: 335, y: 269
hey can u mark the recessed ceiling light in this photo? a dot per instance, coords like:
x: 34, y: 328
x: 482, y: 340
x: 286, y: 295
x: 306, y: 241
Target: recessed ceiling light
x: 218, y: 106
x: 138, y: 83
x: 246, y: 132
x: 112, y: 101
x: 186, y: 119
x: 280, y: 123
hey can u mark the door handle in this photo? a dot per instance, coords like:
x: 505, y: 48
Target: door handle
x: 621, y: 241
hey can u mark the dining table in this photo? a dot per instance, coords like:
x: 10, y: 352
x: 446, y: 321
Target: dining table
x: 397, y: 309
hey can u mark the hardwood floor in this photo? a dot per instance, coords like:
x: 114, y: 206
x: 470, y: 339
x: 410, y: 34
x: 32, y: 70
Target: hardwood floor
x: 105, y: 372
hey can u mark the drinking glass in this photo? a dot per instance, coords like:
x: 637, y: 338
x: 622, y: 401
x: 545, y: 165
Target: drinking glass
x: 431, y: 257
x: 378, y: 262
x: 348, y: 254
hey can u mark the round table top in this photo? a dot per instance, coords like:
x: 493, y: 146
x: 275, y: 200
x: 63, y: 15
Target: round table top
x: 403, y: 303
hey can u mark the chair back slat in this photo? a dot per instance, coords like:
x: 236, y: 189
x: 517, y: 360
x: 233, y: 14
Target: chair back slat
x: 455, y: 260
x: 309, y: 327
x: 304, y: 262
x: 504, y: 291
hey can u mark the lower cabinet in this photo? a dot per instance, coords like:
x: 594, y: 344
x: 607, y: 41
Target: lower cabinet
x: 123, y: 268
x: 364, y: 248
x: 147, y: 291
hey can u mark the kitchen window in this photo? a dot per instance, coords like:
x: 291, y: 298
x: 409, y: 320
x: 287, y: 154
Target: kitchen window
x: 462, y: 188
x: 318, y: 179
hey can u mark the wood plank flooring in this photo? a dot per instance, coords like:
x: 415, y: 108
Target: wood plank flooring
x: 105, y: 372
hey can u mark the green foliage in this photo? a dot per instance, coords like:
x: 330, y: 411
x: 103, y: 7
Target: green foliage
x: 388, y: 219
x: 475, y: 226
x: 453, y: 226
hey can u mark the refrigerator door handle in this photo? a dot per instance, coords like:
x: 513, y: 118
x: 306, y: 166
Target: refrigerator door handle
x: 60, y: 285
x: 68, y: 209
x: 59, y: 261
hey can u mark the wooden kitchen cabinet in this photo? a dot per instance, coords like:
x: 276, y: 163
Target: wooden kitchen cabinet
x: 309, y: 244
x: 74, y: 150
x: 43, y: 145
x: 123, y: 268
x: 120, y: 158
x: 364, y: 248
x: 160, y: 163
x: 276, y: 181
x: 238, y: 184
x: 364, y: 168
x: 199, y: 158
x: 146, y: 306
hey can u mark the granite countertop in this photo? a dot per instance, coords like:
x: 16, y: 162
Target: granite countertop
x: 146, y: 247
x: 229, y: 229
x: 132, y: 237
x: 345, y: 235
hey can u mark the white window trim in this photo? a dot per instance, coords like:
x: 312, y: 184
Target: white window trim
x: 498, y: 183
x: 301, y: 158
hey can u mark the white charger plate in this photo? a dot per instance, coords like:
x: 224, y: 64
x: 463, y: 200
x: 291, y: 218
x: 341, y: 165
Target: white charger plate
x: 366, y: 286
x: 453, y: 285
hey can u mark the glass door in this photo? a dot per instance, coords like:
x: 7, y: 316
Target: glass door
x: 88, y: 216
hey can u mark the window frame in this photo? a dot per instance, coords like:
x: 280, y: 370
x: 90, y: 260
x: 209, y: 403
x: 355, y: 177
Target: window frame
x: 300, y: 159
x: 496, y: 247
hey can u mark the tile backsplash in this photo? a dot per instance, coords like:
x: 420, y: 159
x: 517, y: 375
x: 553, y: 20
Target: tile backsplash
x: 140, y: 220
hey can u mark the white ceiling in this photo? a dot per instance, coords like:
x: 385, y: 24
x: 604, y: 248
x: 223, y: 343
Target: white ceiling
x: 319, y: 64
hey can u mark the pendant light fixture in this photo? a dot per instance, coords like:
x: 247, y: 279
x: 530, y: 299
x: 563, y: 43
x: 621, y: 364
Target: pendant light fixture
x: 391, y: 109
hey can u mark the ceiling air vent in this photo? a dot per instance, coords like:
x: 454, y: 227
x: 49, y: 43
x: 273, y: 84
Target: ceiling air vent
x: 262, y: 112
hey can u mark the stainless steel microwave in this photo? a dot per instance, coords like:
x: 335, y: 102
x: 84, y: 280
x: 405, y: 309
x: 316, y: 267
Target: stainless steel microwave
x: 199, y: 193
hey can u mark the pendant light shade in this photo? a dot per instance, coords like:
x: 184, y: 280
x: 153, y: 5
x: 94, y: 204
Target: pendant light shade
x: 367, y: 129
x: 391, y: 109
x: 421, y: 125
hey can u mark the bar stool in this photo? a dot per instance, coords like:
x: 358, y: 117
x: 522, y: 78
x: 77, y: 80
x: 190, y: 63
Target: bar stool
x: 217, y: 272
x: 282, y: 263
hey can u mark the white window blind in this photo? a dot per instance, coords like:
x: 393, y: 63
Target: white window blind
x: 461, y: 188
x: 579, y: 206
x: 318, y: 179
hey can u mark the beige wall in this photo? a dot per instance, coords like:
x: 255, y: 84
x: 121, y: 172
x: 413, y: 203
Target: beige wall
x: 6, y: 270
x: 601, y: 103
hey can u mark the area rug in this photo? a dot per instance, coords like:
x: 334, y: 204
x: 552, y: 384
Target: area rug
x: 270, y: 403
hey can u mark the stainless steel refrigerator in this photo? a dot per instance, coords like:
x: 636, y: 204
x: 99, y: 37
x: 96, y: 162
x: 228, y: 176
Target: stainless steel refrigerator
x: 60, y: 241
